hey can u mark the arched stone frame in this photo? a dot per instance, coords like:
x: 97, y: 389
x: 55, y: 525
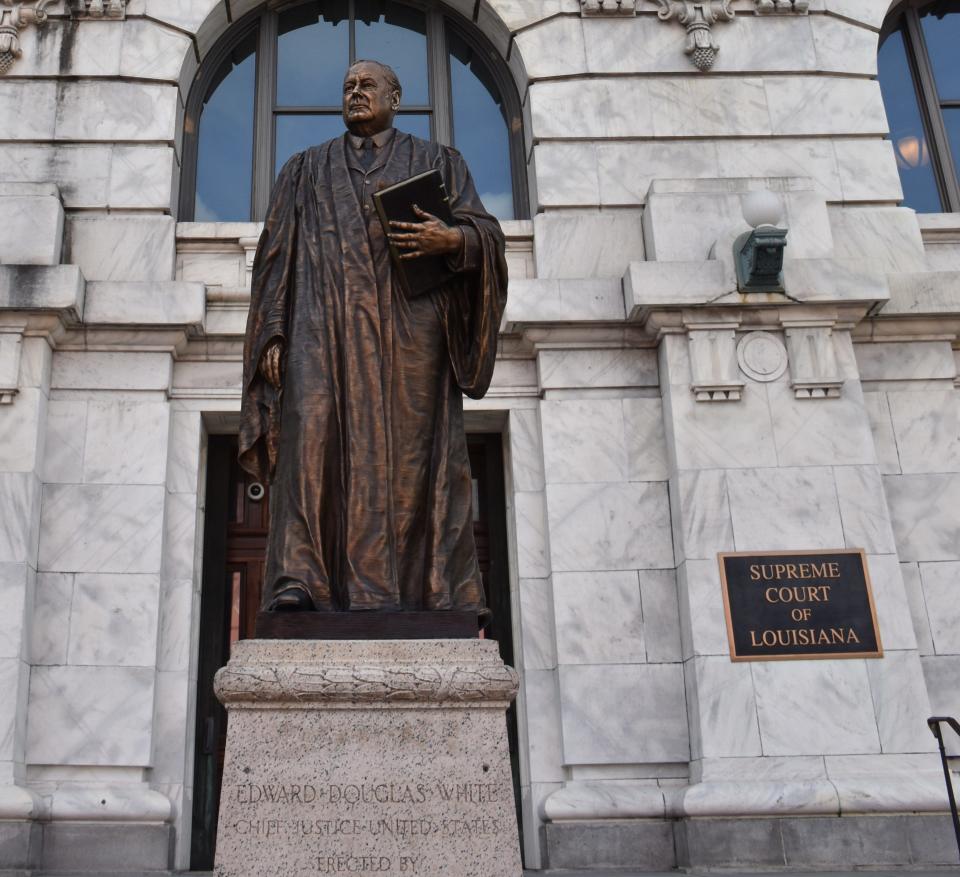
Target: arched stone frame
x: 474, y: 22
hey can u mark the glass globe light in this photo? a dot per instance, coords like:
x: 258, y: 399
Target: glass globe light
x: 761, y: 208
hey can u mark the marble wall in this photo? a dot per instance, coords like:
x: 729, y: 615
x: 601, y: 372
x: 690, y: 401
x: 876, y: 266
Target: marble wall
x: 914, y: 409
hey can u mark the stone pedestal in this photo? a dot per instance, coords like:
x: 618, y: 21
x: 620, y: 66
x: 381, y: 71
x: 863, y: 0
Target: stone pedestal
x: 355, y: 757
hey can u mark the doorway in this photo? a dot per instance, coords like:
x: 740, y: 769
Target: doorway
x: 234, y: 550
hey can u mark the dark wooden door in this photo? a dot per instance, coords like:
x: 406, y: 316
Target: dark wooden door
x: 235, y: 539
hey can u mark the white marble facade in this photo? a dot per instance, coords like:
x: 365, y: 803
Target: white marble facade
x: 120, y: 339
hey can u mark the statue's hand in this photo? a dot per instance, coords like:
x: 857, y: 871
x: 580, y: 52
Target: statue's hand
x: 270, y: 362
x: 432, y: 237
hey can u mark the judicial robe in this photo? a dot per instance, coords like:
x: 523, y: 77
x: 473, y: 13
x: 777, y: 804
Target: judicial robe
x: 364, y: 447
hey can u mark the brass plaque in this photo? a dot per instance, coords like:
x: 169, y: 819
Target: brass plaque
x: 790, y: 605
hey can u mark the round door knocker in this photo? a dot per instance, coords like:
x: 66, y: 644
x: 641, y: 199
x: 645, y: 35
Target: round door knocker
x: 256, y: 491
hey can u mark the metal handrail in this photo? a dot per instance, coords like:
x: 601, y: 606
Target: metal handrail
x: 934, y: 723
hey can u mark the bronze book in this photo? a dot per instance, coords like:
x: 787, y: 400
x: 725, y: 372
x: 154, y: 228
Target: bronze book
x: 395, y: 203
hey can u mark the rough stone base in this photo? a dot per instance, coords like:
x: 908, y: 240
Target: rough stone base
x: 645, y: 844
x: 817, y: 842
x: 99, y: 846
x: 19, y: 843
x: 800, y: 843
x: 386, y: 757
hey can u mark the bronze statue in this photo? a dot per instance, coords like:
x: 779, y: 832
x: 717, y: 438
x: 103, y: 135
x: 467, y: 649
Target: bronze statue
x: 352, y: 404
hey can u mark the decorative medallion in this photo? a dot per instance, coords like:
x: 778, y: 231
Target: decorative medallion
x: 761, y: 356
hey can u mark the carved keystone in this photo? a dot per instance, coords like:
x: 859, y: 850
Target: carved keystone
x: 698, y: 17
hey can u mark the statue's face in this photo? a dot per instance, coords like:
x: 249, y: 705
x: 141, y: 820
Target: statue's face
x: 369, y: 103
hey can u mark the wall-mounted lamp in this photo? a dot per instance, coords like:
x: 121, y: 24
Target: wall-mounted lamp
x: 758, y: 254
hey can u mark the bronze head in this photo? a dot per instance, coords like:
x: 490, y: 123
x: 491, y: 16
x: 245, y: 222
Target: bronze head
x: 371, y: 97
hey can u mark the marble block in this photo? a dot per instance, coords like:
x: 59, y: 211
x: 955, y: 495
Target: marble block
x: 386, y: 756
x: 33, y: 224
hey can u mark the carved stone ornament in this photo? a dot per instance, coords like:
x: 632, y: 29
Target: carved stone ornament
x: 15, y: 15
x: 364, y: 673
x: 761, y: 356
x: 98, y: 8
x: 698, y: 17
x: 590, y: 8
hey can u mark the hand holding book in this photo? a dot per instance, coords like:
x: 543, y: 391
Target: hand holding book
x: 420, y: 228
x: 430, y: 237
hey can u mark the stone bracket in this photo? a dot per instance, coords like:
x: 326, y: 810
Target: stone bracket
x: 608, y: 8
x: 781, y: 7
x: 107, y: 9
x: 713, y: 363
x: 11, y: 346
x: 249, y: 246
x: 814, y: 373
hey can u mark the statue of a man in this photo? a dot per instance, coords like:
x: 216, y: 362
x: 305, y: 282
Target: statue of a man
x: 352, y: 405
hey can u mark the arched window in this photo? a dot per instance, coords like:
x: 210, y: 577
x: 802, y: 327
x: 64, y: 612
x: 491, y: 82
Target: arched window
x: 272, y: 87
x: 920, y: 80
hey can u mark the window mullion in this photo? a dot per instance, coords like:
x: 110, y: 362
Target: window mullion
x: 940, y: 153
x: 439, y: 72
x: 352, y: 30
x: 264, y: 119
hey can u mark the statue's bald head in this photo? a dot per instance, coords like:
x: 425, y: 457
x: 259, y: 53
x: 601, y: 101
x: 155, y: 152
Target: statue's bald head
x: 371, y: 97
x: 388, y: 73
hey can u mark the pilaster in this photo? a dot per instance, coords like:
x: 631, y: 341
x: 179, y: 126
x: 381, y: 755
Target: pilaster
x: 35, y: 301
x: 785, y: 462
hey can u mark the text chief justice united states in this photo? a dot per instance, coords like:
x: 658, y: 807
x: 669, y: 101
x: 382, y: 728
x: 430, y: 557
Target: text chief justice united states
x: 352, y: 405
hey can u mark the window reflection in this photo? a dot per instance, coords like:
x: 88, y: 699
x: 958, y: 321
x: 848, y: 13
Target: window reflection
x: 418, y: 125
x: 225, y: 149
x: 296, y: 133
x: 480, y: 127
x: 396, y: 35
x: 906, y: 127
x: 312, y: 54
x: 299, y: 132
x: 941, y: 32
